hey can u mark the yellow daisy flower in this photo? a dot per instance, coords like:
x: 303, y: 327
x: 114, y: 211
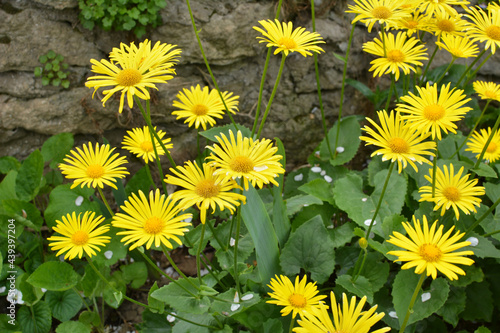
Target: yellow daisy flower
x: 414, y: 23
x: 433, y: 7
x: 286, y: 39
x: 459, y: 47
x: 452, y: 190
x: 478, y: 141
x: 201, y: 106
x: 298, y: 298
x: 445, y: 24
x: 79, y: 234
x: 349, y: 318
x: 485, y: 27
x: 94, y: 167
x: 255, y: 161
x: 399, y: 53
x: 487, y: 90
x: 133, y: 70
x: 138, y: 142
x: 398, y: 141
x: 387, y: 12
x: 203, y: 188
x: 430, y: 251
x: 150, y: 221
x: 434, y: 111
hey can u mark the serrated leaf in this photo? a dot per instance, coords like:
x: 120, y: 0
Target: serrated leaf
x: 56, y: 147
x: 455, y: 304
x: 484, y: 170
x: 36, y: 320
x: 484, y: 247
x: 350, y: 132
x: 341, y: 235
x: 63, y: 304
x: 29, y: 177
x: 54, y: 275
x: 135, y: 273
x: 310, y: 248
x: 178, y: 298
x: 361, y: 287
x: 114, y: 296
x: 375, y: 271
x: 296, y: 203
x: 479, y: 304
x: 319, y: 188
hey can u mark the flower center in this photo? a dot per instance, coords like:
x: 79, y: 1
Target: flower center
x: 493, y: 32
x: 95, y: 171
x: 287, y: 43
x: 398, y: 146
x: 199, y: 110
x: 241, y: 164
x: 430, y: 252
x: 434, y: 112
x: 492, y: 147
x: 153, y: 225
x: 451, y: 193
x: 411, y: 24
x: 381, y: 13
x: 395, y: 56
x: 128, y: 77
x: 147, y: 146
x: 490, y: 94
x: 297, y: 300
x: 456, y: 52
x: 207, y: 189
x: 80, y: 238
x: 446, y: 26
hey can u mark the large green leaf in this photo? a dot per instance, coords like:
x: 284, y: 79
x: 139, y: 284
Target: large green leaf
x: 180, y: 296
x: 280, y: 217
x: 154, y: 323
x: 23, y: 212
x: 29, y: 178
x: 54, y: 275
x: 225, y: 302
x: 73, y: 327
x: 56, y: 148
x: 310, y: 248
x: 36, y: 320
x: 64, y: 304
x: 479, y: 304
x: 454, y: 305
x: 8, y: 163
x: 261, y: 230
x: 31, y: 294
x: 140, y: 181
x: 135, y: 273
x: 361, y: 287
x: 350, y: 132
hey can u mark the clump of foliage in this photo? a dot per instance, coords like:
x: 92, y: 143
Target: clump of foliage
x: 121, y: 15
x: 53, y: 70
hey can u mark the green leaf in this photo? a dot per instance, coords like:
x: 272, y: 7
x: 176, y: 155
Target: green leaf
x: 261, y: 230
x: 472, y: 274
x: 482, y: 329
x: 38, y: 71
x: 479, y: 304
x: 65, y: 84
x: 54, y: 275
x: 38, y: 320
x: 280, y: 218
x: 135, y: 273
x: 341, y: 235
x: 9, y: 325
x: 63, y: 304
x: 361, y: 287
x: 225, y: 301
x: 51, y: 54
x: 29, y: 178
x: 90, y: 318
x: 23, y: 212
x: 217, y: 131
x: 8, y: 163
x: 484, y: 248
x: 64, y: 200
x: 114, y: 250
x: 200, y: 320
x: 45, y: 81
x: 31, y: 295
x: 296, y: 203
x: 484, y: 170
x: 140, y: 181
x: 43, y: 59
x: 455, y: 304
x: 310, y: 248
x: 319, y: 188
x: 350, y: 132
x: 176, y: 296
x: 375, y: 271
x: 114, y: 296
x: 56, y: 82
x: 338, y: 56
x: 73, y: 327
x: 403, y: 288
x: 154, y: 323
x: 56, y: 147
x: 155, y: 305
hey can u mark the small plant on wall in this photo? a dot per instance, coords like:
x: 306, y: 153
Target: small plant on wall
x: 53, y: 70
x: 121, y: 15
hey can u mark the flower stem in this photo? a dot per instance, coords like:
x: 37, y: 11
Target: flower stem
x: 318, y: 85
x: 493, y: 131
x: 446, y: 70
x: 469, y: 77
x: 412, y: 301
x: 479, y: 220
x: 389, y: 95
x: 427, y: 67
x: 148, y: 171
x: 236, y: 241
x: 105, y: 201
x: 196, y: 32
x: 434, y: 169
x: 292, y: 322
x: 275, y: 89
x: 473, y: 129
x: 198, y: 251
x: 341, y: 103
x: 470, y: 67
x: 212, y: 229
x: 172, y: 263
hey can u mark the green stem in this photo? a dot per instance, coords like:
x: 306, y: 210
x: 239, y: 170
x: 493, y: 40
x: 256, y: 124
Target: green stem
x: 292, y: 322
x: 212, y: 229
x: 148, y: 171
x: 172, y: 263
x: 196, y: 32
x: 83, y: 299
x: 493, y: 131
x: 318, y: 86
x: 105, y: 201
x: 470, y: 67
x: 389, y: 95
x: 473, y: 129
x: 236, y: 241
x: 198, y: 251
x: 491, y: 233
x: 344, y: 74
x: 446, y: 70
x: 469, y: 77
x: 479, y: 220
x: 192, y: 322
x: 263, y: 78
x: 434, y: 169
x: 275, y: 89
x: 412, y: 302
x: 427, y: 67
x: 198, y: 141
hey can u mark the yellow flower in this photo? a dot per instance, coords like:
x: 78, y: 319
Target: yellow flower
x: 434, y: 111
x: 201, y: 106
x: 485, y: 27
x: 433, y: 7
x: 445, y: 24
x: 487, y: 90
x: 286, y: 39
x: 133, y: 70
x: 79, y: 235
x: 387, y: 12
x: 399, y: 53
x: 138, y: 142
x: 298, y: 298
x: 430, y: 251
x: 478, y: 141
x: 150, y: 222
x: 204, y: 189
x: 398, y: 141
x: 94, y: 167
x: 350, y: 318
x: 459, y: 47
x: 452, y: 190
x: 255, y: 161
x: 414, y: 23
